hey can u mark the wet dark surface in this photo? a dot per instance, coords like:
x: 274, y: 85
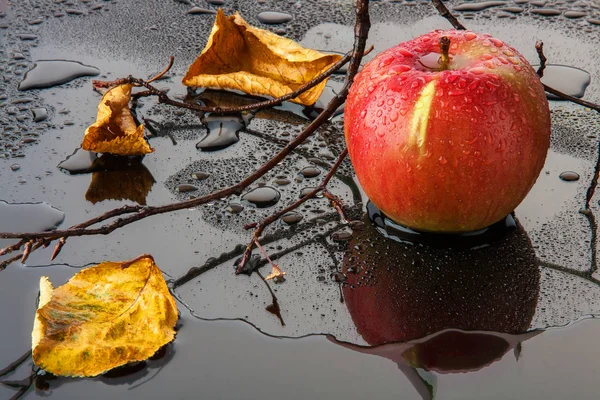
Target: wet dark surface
x: 512, y: 317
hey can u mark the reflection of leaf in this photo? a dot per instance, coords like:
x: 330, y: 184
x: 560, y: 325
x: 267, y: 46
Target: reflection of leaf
x: 115, y: 131
x: 119, y: 178
x: 241, y: 57
x: 104, y: 317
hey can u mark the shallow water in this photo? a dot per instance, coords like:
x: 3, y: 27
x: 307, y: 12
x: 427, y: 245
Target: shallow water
x: 529, y: 297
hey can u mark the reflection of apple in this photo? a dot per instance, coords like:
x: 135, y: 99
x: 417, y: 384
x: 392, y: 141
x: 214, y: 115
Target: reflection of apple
x: 399, y: 293
x: 448, y: 146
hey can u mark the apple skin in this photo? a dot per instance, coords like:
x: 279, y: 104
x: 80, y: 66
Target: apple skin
x: 453, y: 150
x: 398, y: 293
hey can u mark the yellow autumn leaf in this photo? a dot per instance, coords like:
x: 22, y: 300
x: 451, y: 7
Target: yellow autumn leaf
x: 241, y: 57
x: 104, y: 317
x: 115, y: 131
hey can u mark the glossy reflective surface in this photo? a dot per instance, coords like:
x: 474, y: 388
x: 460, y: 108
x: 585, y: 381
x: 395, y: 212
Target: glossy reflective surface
x: 361, y: 315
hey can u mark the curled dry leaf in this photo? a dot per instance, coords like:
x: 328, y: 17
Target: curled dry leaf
x: 115, y: 130
x: 276, y: 274
x: 104, y: 317
x: 241, y: 57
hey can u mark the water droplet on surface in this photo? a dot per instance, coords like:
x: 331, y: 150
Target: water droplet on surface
x: 199, y: 10
x: 575, y: 14
x: 478, y: 6
x: 569, y: 176
x: 307, y: 190
x: 292, y: 217
x: 235, y: 208
x: 265, y: 196
x: 310, y: 172
x: 185, y: 188
x: 49, y: 73
x: 282, y: 181
x: 223, y: 131
x: 200, y: 175
x: 547, y: 12
x: 273, y: 17
x: 341, y: 236
x: 39, y: 114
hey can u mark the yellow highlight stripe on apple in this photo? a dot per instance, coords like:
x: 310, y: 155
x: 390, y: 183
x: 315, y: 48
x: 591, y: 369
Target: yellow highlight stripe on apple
x: 420, y: 117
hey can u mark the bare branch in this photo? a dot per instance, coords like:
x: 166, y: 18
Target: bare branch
x: 260, y: 227
x: 539, y: 47
x: 444, y: 12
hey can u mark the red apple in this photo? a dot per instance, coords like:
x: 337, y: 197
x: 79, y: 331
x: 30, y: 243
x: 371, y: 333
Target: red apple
x: 448, y: 146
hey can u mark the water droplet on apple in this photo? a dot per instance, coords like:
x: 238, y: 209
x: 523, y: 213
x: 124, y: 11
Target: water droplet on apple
x: 470, y: 35
x: 496, y: 42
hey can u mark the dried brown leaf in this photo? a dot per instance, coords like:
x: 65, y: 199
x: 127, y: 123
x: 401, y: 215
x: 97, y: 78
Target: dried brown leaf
x: 241, y: 57
x: 115, y: 131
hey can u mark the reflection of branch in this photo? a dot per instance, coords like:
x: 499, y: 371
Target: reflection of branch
x: 24, y: 384
x: 585, y: 275
x: 15, y: 364
x: 260, y: 227
x: 212, y: 263
x: 273, y: 308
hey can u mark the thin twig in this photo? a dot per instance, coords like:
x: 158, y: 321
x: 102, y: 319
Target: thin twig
x: 572, y: 99
x: 539, y: 47
x: 444, y: 12
x: 337, y: 203
x: 164, y: 71
x: 260, y: 227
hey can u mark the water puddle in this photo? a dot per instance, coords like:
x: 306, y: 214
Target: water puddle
x: 569, y: 80
x: 49, y: 73
x: 223, y: 131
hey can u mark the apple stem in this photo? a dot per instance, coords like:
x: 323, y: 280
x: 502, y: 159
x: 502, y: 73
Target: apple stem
x: 444, y: 47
